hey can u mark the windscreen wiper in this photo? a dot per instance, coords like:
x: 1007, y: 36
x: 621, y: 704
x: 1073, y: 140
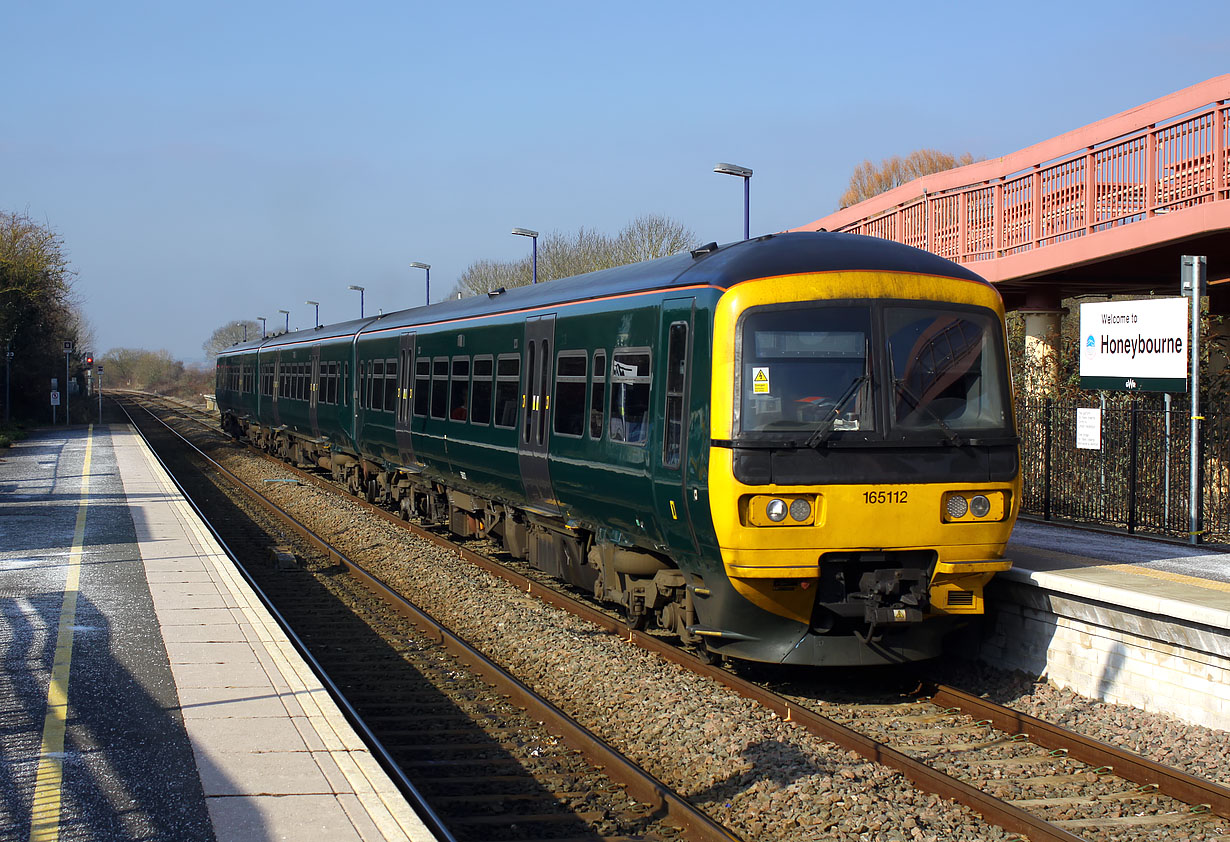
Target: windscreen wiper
x: 953, y: 436
x: 822, y: 433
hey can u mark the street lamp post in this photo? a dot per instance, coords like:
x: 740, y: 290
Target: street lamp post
x: 533, y: 235
x: 316, y: 304
x: 287, y: 314
x: 261, y: 319
x: 427, y: 268
x: 745, y: 174
x: 360, y: 291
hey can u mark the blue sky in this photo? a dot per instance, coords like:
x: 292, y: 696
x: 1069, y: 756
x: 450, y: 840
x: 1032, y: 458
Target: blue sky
x: 208, y: 162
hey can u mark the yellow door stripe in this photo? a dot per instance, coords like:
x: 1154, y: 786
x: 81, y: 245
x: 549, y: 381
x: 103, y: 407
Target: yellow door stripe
x: 45, y: 810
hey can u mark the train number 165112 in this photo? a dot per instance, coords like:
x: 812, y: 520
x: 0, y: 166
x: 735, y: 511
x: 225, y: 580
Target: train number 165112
x: 882, y: 497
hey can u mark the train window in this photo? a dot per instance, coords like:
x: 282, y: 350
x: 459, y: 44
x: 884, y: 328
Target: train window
x: 390, y: 385
x: 531, y: 391
x: 459, y: 389
x: 346, y: 380
x: 377, y: 386
x: 806, y: 369
x: 630, y: 370
x: 676, y: 371
x: 507, y: 389
x: 481, y: 391
x: 945, y: 370
x: 597, y: 396
x: 367, y: 385
x: 267, y: 380
x: 544, y: 379
x: 331, y: 387
x: 569, y: 397
x: 422, y: 385
x: 439, y: 387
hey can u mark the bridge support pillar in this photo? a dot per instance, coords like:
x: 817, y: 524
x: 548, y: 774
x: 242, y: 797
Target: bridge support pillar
x: 1042, y: 315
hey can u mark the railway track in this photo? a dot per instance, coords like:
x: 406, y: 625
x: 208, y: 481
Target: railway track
x: 489, y: 757
x: 1022, y: 774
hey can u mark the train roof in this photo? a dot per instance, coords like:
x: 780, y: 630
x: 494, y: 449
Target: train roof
x: 716, y: 266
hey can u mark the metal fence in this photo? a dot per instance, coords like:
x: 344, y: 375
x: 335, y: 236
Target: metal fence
x: 1138, y: 480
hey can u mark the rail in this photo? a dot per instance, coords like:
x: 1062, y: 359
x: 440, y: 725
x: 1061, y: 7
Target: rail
x: 1159, y: 158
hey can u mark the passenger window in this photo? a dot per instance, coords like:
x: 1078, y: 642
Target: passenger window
x: 676, y: 370
x: 597, y: 396
x: 481, y: 391
x: 630, y: 396
x: 459, y: 389
x: 439, y: 387
x: 390, y: 385
x: 422, y: 386
x: 570, y: 393
x: 507, y: 390
x: 377, y: 388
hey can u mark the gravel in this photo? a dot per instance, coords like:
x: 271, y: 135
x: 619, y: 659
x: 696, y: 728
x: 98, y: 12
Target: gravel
x: 765, y: 778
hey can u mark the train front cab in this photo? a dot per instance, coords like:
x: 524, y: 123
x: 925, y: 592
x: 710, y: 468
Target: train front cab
x: 863, y: 472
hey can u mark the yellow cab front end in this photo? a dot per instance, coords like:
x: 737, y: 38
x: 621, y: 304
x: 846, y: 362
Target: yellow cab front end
x: 863, y: 473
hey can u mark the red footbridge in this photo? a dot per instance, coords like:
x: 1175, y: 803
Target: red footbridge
x: 1107, y: 208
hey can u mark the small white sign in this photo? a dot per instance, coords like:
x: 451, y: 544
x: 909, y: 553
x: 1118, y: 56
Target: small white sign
x: 55, y: 398
x: 760, y: 380
x: 1089, y: 429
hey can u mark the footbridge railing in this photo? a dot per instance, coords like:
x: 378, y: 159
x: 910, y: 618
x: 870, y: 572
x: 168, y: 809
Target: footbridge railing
x: 1156, y: 159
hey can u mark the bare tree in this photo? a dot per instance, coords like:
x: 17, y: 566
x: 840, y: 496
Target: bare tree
x: 228, y: 335
x: 562, y: 255
x: 870, y: 179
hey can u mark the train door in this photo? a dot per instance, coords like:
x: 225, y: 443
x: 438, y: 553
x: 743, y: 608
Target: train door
x: 277, y: 387
x: 670, y: 461
x: 535, y: 434
x: 314, y: 392
x: 405, y: 397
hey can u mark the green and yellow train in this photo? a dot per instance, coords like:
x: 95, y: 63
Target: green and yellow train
x: 798, y: 448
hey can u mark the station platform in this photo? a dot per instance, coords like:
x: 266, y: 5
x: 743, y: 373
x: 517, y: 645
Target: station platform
x: 146, y: 693
x: 1119, y: 618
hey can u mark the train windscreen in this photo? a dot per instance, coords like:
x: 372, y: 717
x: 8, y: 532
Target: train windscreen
x: 805, y: 366
x: 815, y: 369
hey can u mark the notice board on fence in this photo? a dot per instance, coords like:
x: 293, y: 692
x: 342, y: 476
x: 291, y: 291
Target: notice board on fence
x: 1135, y: 346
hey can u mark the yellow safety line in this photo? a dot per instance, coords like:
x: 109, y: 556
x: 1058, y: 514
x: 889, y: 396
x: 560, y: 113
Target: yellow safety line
x: 45, y: 810
x: 1181, y: 578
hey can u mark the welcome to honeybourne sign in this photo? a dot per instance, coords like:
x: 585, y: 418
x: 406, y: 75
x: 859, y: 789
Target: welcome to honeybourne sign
x: 1136, y: 346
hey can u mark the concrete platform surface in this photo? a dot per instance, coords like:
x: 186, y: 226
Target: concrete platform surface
x: 1152, y: 576
x: 146, y: 693
x: 1117, y: 618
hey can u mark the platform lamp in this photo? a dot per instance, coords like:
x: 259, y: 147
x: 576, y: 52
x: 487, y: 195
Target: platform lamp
x: 427, y: 268
x: 745, y: 174
x: 533, y: 235
x: 316, y: 304
x: 261, y: 319
x: 287, y: 314
x: 359, y: 289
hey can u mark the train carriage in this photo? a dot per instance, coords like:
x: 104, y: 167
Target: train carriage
x: 793, y: 449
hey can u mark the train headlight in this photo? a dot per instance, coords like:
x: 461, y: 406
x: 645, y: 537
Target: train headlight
x: 975, y: 506
x: 785, y: 511
x: 957, y: 507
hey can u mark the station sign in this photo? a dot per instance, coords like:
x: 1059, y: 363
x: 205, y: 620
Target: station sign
x: 1135, y: 346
